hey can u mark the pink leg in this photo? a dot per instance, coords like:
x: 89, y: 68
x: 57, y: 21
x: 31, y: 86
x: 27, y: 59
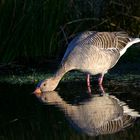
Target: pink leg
x: 100, y: 83
x: 88, y: 83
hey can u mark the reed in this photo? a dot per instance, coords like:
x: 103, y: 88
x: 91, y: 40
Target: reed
x: 43, y: 28
x: 29, y: 28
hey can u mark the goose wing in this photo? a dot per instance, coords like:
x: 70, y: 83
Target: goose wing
x: 107, y: 41
x: 76, y: 41
x: 111, y: 40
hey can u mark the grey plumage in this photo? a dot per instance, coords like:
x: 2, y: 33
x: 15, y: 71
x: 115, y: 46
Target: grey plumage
x: 95, y: 52
x: 91, y: 52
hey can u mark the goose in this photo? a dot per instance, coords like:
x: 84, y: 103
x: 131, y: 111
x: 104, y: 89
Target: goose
x: 96, y: 115
x: 91, y: 52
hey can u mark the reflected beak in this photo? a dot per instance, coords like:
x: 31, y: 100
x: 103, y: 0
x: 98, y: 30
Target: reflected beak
x: 37, y: 91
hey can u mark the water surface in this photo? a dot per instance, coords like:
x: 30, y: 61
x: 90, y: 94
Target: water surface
x: 24, y: 116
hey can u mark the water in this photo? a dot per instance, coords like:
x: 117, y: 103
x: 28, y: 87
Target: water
x: 24, y: 116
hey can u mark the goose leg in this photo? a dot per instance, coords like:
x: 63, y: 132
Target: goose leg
x: 100, y: 81
x: 88, y: 83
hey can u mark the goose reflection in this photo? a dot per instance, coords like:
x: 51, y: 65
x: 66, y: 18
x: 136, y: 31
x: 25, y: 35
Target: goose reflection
x: 98, y: 115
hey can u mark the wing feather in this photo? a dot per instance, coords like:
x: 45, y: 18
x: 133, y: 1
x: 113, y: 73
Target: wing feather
x: 108, y: 41
x: 79, y: 38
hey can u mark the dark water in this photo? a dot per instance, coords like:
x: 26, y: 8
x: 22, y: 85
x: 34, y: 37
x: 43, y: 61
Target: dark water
x: 24, y: 116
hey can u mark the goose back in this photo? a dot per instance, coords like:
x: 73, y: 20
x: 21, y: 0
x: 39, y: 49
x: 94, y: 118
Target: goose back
x: 95, y: 52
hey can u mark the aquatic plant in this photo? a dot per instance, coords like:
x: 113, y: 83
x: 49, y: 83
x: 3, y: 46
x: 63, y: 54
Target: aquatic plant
x: 42, y: 28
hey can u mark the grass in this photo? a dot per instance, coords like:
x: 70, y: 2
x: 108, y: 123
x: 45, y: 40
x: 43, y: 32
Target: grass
x: 31, y: 29
x: 42, y: 29
x: 34, y: 78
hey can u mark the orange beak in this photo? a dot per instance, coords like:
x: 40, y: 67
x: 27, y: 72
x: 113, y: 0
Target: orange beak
x: 37, y: 91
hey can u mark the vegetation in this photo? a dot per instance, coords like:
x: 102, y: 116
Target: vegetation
x: 113, y: 79
x: 42, y: 28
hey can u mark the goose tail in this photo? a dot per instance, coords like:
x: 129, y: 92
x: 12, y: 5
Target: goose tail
x: 129, y: 44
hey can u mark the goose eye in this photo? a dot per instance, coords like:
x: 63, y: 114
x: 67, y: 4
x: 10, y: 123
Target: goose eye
x: 44, y: 85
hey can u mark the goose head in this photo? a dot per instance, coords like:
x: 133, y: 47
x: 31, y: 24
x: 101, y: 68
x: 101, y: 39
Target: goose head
x: 46, y: 85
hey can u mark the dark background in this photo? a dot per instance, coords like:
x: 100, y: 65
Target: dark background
x: 38, y: 31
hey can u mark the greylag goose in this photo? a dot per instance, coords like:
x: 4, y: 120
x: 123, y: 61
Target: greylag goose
x: 90, y: 52
x: 95, y: 116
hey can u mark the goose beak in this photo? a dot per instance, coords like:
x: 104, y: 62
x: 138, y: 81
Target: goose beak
x: 37, y: 91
